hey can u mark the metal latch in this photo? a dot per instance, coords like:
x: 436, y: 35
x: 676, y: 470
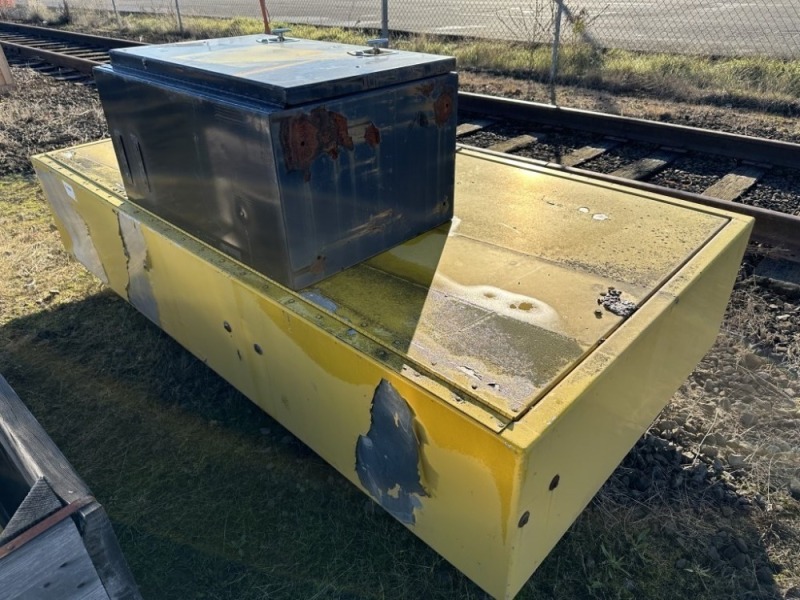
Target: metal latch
x: 377, y: 47
x: 276, y: 38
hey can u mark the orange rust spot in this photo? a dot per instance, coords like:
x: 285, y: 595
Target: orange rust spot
x: 332, y: 128
x: 300, y: 143
x: 305, y: 137
x: 372, y: 135
x: 443, y: 107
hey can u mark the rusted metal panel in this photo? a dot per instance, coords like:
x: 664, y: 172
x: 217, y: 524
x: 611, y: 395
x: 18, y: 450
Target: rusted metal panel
x: 297, y: 158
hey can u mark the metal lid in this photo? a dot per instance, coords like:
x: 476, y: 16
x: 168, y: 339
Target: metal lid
x: 280, y: 70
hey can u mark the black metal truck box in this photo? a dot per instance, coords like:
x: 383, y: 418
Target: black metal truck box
x: 299, y: 158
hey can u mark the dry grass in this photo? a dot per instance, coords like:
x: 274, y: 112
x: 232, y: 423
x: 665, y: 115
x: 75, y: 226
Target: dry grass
x: 40, y: 114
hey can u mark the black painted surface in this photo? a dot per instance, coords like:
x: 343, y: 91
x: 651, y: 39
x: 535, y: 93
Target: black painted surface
x: 387, y: 458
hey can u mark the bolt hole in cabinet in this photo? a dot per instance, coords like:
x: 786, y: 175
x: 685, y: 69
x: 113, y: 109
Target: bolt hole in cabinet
x: 423, y: 317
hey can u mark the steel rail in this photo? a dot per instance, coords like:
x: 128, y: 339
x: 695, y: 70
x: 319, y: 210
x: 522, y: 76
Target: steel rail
x: 69, y: 36
x: 73, y: 42
x: 82, y: 65
x: 732, y: 145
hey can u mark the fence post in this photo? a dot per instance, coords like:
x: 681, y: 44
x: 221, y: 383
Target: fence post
x: 180, y: 21
x: 116, y: 12
x: 556, y: 44
x: 385, y: 19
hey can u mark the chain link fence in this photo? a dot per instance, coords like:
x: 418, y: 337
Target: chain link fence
x: 701, y: 27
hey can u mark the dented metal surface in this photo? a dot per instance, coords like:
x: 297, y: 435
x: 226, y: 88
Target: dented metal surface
x: 387, y: 456
x: 298, y: 159
x: 366, y: 367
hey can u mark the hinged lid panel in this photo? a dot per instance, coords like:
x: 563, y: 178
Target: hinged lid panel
x: 286, y: 73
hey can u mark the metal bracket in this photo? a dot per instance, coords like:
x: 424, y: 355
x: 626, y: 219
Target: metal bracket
x: 377, y: 47
x: 277, y: 38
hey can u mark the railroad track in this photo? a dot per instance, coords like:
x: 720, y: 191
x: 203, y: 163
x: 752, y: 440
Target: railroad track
x: 754, y: 176
x: 66, y: 55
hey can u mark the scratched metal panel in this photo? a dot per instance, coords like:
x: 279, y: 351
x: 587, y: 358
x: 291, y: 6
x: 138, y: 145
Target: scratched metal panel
x: 287, y: 74
x: 297, y: 194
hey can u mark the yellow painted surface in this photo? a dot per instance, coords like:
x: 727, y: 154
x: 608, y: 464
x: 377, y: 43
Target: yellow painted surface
x: 486, y: 329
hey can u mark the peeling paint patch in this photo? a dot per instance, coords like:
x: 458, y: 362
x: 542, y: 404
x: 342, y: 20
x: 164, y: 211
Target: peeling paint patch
x: 63, y: 203
x: 612, y: 301
x: 140, y: 293
x: 387, y: 457
x: 317, y: 298
x: 69, y: 190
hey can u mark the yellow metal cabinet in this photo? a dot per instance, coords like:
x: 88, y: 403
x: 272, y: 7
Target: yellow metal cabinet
x: 480, y: 382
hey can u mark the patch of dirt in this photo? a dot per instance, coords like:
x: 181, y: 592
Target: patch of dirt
x: 40, y: 114
x: 726, y: 117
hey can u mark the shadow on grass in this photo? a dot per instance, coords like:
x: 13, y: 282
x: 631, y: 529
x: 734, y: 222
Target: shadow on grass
x: 211, y: 498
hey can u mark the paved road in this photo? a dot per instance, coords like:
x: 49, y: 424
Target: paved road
x: 769, y: 27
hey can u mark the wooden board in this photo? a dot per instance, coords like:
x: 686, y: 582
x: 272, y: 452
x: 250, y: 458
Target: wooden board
x: 6, y: 81
x: 646, y: 167
x: 473, y: 126
x: 736, y: 183
x: 103, y: 547
x: 517, y: 143
x: 587, y: 153
x: 40, y: 502
x: 31, y: 450
x: 53, y: 566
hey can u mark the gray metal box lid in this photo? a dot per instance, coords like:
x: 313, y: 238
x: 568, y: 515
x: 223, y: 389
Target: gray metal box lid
x: 287, y: 73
